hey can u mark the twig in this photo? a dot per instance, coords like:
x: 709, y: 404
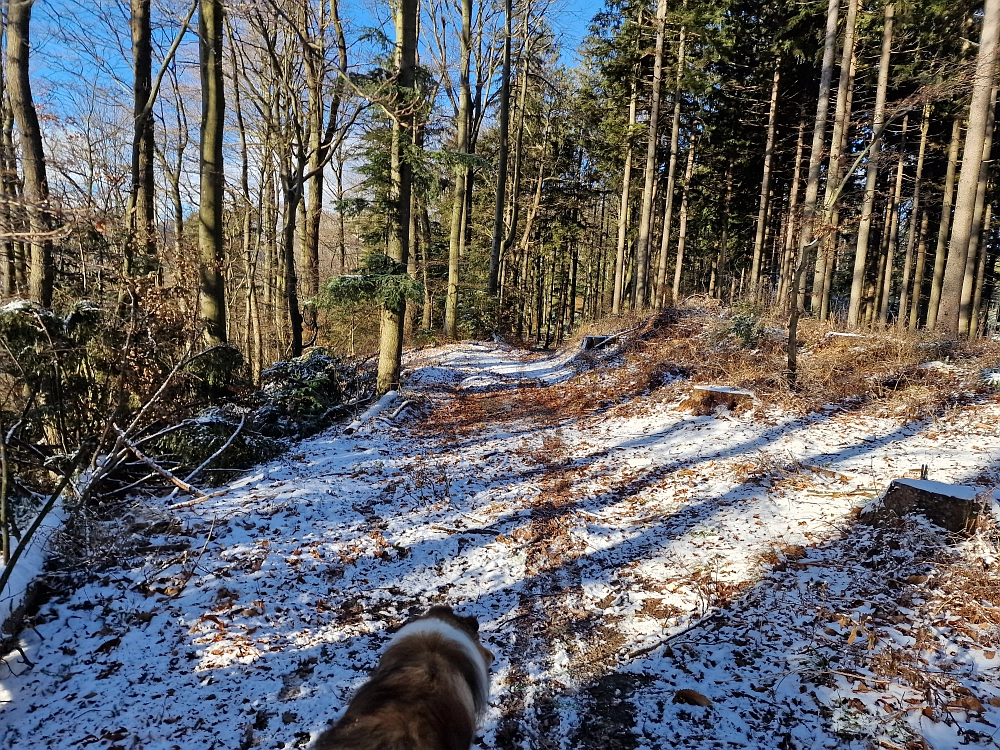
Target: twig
x: 194, y: 567
x: 25, y: 541
x: 156, y: 467
x: 207, y: 461
x: 489, y: 532
x: 674, y: 636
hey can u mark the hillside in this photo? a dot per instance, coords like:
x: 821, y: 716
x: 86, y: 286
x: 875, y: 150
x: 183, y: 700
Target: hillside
x: 616, y: 547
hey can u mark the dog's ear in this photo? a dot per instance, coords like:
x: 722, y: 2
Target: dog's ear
x: 470, y: 622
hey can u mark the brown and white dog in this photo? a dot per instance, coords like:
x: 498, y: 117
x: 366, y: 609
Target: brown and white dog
x: 428, y: 692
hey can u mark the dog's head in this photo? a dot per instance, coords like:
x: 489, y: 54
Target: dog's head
x: 466, y: 623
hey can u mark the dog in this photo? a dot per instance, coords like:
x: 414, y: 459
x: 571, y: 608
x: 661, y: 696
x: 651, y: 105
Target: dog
x: 428, y: 692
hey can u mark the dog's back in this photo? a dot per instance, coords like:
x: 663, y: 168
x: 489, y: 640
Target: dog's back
x: 426, y: 694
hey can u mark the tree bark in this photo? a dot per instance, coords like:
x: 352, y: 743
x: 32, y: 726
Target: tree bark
x: 668, y: 205
x: 493, y: 283
x: 646, y: 213
x: 977, y: 298
x: 210, y: 207
x: 143, y: 217
x: 682, y: 226
x: 36, y: 185
x: 623, y: 210
x: 871, y: 175
x: 784, y: 273
x: 972, y: 165
x: 462, y: 175
x: 965, y: 306
x: 945, y: 224
x: 893, y: 219
x: 391, y: 336
x: 904, y: 289
x: 841, y: 122
x: 765, y: 183
x: 918, y: 273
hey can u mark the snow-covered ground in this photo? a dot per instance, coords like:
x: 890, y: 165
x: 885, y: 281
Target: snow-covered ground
x: 582, y: 539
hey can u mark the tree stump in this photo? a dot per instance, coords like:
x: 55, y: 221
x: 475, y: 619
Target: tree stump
x: 705, y: 399
x: 954, y: 507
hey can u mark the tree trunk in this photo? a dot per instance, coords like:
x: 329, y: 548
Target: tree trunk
x: 972, y: 166
x: 871, y: 175
x: 968, y: 282
x: 977, y: 298
x: 765, y: 183
x: 462, y: 175
x: 945, y: 224
x: 391, y: 337
x: 210, y: 207
x: 646, y: 213
x: 623, y: 210
x: 893, y: 218
x: 904, y: 289
x: 36, y: 185
x: 682, y: 227
x: 841, y: 123
x: 808, y: 228
x: 784, y: 276
x: 668, y: 206
x: 500, y: 206
x: 143, y: 218
x: 918, y: 272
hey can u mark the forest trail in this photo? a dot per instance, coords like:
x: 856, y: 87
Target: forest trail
x: 583, y: 532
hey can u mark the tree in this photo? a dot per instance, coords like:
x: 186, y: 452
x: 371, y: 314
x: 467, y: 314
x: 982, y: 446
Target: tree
x: 210, y: 207
x: 394, y: 311
x: 36, y: 184
x: 972, y: 164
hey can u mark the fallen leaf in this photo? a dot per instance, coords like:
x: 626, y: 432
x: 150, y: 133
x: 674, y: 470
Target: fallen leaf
x: 691, y: 698
x: 108, y: 646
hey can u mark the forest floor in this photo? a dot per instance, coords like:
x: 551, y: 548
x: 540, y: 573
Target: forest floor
x: 646, y: 577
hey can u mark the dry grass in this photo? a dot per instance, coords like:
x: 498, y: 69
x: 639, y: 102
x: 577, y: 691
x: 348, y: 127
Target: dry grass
x: 877, y: 371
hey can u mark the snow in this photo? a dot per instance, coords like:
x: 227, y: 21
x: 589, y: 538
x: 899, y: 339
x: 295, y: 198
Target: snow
x: 940, y: 488
x: 30, y: 563
x: 582, y: 540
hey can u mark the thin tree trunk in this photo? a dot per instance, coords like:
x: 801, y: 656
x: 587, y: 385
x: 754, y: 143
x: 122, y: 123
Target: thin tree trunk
x: 968, y: 282
x: 893, y: 217
x: 972, y: 166
x: 36, y: 185
x: 500, y: 206
x: 904, y: 289
x: 765, y: 183
x: 210, y: 207
x: 623, y: 210
x: 871, y: 175
x: 682, y: 227
x: 461, y: 175
x: 646, y: 213
x: 918, y: 272
x: 945, y: 224
x: 977, y: 298
x: 391, y: 337
x: 143, y: 218
x: 792, y: 220
x: 668, y: 206
x: 841, y: 122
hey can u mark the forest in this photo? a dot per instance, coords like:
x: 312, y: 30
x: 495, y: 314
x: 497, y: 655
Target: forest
x: 230, y: 225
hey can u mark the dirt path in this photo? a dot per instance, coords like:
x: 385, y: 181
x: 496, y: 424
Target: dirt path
x: 583, y: 532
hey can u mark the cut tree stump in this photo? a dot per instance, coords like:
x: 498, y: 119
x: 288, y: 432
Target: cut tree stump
x: 705, y: 399
x: 955, y: 507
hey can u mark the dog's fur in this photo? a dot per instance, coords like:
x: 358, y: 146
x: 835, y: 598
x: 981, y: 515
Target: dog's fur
x: 428, y: 692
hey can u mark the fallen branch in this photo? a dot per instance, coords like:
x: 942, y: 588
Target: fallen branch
x: 191, y: 490
x: 381, y: 405
x: 207, y: 461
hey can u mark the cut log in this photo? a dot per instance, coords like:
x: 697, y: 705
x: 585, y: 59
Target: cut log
x: 954, y: 507
x: 705, y: 399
